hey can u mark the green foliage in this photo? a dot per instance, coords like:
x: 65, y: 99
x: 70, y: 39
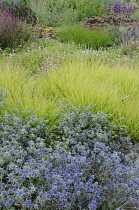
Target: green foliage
x: 3, y: 95
x: 53, y: 13
x: 43, y: 55
x: 87, y: 8
x: 23, y: 2
x: 135, y: 14
x: 85, y: 37
x: 130, y: 49
x: 73, y: 4
x: 8, y: 2
x: 24, y: 13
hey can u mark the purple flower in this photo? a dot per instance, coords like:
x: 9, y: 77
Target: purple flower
x: 32, y: 19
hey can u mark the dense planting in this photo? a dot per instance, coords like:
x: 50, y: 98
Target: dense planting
x: 81, y: 158
x: 89, y: 164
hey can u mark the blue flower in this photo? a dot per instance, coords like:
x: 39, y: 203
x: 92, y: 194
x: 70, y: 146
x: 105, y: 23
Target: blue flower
x: 38, y: 187
x: 62, y: 196
x: 14, y: 189
x: 23, y: 177
x: 78, y: 192
x: 80, y: 204
x: 28, y: 202
x: 1, y: 203
x: 4, y: 194
x: 62, y: 204
x: 68, y: 194
x: 48, y: 194
x: 92, y: 207
x: 54, y: 190
x: 3, y: 185
x: 36, y: 206
x: 10, y: 202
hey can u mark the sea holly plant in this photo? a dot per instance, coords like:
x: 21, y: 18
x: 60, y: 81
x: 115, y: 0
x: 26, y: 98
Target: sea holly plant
x: 89, y: 163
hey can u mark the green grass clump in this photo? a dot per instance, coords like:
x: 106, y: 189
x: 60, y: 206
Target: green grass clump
x: 85, y: 37
x: 113, y: 89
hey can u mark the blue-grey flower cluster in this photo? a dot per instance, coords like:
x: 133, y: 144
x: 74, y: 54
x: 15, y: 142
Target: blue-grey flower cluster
x: 85, y: 163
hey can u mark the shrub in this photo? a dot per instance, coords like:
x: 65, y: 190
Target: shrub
x: 130, y: 34
x: 53, y: 13
x: 24, y: 2
x: 110, y: 19
x: 130, y: 48
x: 21, y: 12
x: 9, y: 2
x: 124, y: 29
x: 85, y: 37
x: 87, y: 8
x: 24, y: 13
x: 91, y: 164
x: 11, y: 34
x: 125, y: 35
x: 135, y: 14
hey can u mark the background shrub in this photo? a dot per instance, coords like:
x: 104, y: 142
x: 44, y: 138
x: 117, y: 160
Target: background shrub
x: 130, y: 48
x: 135, y: 14
x: 23, y: 13
x: 110, y: 19
x: 20, y: 12
x: 87, y: 8
x: 53, y: 13
x: 130, y: 34
x: 11, y: 33
x: 125, y: 34
x: 124, y: 29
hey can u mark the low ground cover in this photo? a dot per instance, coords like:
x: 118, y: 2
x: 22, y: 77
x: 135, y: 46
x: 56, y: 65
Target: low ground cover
x: 86, y: 162
x: 77, y: 156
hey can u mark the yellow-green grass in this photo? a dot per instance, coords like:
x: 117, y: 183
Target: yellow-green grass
x: 113, y: 89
